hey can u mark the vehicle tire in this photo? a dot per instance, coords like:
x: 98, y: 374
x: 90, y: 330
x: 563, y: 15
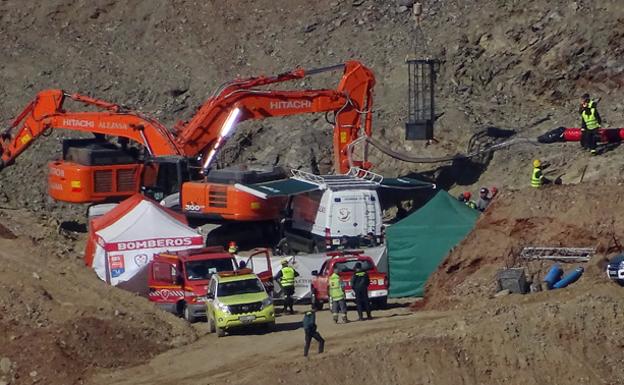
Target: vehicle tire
x: 269, y: 327
x: 381, y: 303
x: 188, y: 315
x: 314, y: 300
x: 220, y: 331
x: 283, y: 248
x: 211, y: 325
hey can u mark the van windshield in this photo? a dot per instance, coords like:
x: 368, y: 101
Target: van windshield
x: 198, y: 270
x: 240, y: 287
x: 348, y: 266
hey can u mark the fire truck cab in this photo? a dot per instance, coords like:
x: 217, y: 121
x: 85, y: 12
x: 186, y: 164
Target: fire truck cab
x: 178, y: 281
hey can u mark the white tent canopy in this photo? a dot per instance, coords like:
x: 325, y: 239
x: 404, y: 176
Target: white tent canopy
x: 124, y: 247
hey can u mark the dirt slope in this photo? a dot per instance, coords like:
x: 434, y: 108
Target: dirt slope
x: 58, y: 321
x: 564, y: 337
x: 585, y: 215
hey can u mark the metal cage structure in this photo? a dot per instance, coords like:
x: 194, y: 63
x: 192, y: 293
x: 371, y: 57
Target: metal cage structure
x: 421, y: 99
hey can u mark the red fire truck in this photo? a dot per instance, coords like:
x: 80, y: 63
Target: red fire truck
x: 344, y: 262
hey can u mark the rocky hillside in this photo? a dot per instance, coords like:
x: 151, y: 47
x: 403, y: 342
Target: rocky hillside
x: 509, y: 64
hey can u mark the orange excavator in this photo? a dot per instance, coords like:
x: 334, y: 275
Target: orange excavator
x: 178, y: 163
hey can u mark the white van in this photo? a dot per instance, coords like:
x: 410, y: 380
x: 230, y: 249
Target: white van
x: 347, y: 214
x: 328, y: 212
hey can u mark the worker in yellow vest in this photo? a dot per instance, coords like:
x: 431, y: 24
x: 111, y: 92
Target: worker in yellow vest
x: 286, y: 279
x: 537, y: 177
x: 337, y: 297
x: 590, y: 123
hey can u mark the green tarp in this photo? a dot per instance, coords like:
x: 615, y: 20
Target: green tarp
x: 418, y: 243
x: 405, y: 183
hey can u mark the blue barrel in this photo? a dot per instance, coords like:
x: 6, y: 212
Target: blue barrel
x: 571, y: 277
x: 553, y: 276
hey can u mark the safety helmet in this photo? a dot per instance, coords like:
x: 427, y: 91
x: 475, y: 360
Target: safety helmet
x: 467, y: 194
x: 537, y: 163
x: 232, y: 248
x: 483, y: 190
x: 284, y: 262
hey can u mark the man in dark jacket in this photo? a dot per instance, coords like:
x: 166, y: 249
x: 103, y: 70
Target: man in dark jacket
x: 309, y: 326
x: 359, y: 284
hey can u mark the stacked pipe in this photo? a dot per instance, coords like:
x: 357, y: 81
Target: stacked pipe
x: 555, y: 279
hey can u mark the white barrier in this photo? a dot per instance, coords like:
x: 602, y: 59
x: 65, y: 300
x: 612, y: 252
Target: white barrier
x: 304, y: 264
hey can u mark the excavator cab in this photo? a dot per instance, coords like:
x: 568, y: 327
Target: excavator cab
x: 163, y: 177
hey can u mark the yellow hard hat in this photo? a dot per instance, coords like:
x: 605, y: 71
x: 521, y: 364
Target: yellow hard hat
x: 537, y: 163
x: 284, y: 261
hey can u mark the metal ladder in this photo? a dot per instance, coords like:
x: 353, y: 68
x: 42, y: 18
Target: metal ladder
x: 568, y: 254
x: 371, y: 217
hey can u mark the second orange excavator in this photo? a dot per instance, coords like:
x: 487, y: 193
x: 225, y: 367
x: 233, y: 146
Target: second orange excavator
x: 176, y: 165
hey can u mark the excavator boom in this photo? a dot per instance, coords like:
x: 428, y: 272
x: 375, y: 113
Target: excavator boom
x: 350, y: 100
x: 170, y: 154
x: 46, y: 112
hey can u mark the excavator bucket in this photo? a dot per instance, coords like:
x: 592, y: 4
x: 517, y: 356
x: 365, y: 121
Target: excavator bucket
x: 421, y: 95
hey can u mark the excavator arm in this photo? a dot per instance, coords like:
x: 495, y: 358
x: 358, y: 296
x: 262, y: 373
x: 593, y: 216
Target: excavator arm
x: 242, y: 100
x: 208, y: 130
x: 248, y: 99
x: 46, y: 112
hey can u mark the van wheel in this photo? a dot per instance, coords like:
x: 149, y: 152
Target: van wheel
x: 220, y: 331
x: 188, y: 315
x: 283, y: 247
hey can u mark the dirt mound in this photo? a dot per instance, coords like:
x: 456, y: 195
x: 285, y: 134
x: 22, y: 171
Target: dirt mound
x: 562, y: 337
x: 59, y: 321
x: 560, y: 216
x: 6, y: 233
x: 67, y: 353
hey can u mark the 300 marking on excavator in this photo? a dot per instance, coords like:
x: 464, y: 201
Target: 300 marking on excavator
x: 192, y: 207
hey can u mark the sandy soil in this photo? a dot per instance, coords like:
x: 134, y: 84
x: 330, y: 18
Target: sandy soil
x: 213, y: 360
x: 513, y: 65
x: 58, y: 321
